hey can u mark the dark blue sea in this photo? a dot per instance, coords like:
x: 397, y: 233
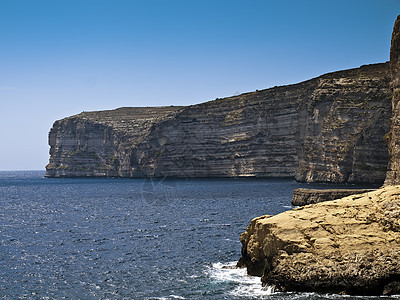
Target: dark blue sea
x: 133, y: 238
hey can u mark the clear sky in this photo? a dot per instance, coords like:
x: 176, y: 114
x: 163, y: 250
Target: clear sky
x: 58, y: 58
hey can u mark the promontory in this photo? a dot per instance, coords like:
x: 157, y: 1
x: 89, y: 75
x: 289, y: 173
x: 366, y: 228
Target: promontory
x: 332, y: 128
x: 350, y: 245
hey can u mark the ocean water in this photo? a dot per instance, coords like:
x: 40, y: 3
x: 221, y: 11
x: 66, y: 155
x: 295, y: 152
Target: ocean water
x: 133, y: 238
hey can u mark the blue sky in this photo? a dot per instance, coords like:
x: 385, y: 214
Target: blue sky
x: 58, y: 58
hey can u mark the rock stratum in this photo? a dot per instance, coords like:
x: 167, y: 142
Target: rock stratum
x: 303, y: 196
x: 327, y: 129
x: 101, y: 143
x: 350, y: 246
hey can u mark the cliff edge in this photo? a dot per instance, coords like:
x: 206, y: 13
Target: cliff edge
x: 393, y: 174
x: 327, y: 129
x: 99, y: 143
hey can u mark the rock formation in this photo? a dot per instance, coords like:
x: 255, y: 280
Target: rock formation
x: 393, y: 174
x: 351, y: 246
x: 328, y: 129
x: 99, y: 143
x: 311, y: 196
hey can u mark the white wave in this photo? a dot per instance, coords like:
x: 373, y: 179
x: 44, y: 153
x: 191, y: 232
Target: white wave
x: 246, y: 285
x: 166, y: 298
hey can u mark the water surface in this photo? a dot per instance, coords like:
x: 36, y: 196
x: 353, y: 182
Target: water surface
x: 132, y: 238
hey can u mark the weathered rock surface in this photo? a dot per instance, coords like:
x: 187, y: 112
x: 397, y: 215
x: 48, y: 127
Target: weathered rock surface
x: 351, y: 246
x: 327, y: 129
x: 337, y: 129
x: 100, y: 143
x: 393, y: 174
x: 303, y: 196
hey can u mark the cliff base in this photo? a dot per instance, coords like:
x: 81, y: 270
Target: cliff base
x: 311, y: 196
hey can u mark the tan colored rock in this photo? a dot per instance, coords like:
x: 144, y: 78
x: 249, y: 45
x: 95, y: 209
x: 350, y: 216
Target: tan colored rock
x: 351, y: 246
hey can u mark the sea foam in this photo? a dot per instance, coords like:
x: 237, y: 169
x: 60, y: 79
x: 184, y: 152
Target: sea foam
x: 243, y: 285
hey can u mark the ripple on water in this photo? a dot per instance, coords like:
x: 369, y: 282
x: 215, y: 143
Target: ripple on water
x: 102, y: 239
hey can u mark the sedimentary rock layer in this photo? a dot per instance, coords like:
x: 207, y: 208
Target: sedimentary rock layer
x: 311, y: 196
x: 100, y: 143
x: 330, y: 129
x: 351, y: 246
x: 393, y: 174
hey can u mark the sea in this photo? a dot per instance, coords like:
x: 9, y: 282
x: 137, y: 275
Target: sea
x: 112, y: 238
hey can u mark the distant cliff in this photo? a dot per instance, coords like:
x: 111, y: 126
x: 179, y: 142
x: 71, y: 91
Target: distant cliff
x: 329, y: 129
x: 100, y: 143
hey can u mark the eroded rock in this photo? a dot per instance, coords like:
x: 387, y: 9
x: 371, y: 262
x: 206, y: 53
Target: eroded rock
x: 100, y: 143
x: 350, y: 245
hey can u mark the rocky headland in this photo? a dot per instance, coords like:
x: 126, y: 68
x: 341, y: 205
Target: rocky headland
x: 100, y: 143
x: 350, y: 245
x: 328, y: 129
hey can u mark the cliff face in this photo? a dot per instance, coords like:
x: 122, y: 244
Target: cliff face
x: 393, y: 174
x: 350, y: 246
x: 100, y: 143
x: 330, y: 128
x: 249, y: 135
x: 342, y: 127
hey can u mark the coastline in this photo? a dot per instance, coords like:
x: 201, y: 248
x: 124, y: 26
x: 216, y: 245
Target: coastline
x: 346, y: 246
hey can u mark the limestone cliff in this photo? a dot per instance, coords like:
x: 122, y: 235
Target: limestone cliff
x: 351, y: 246
x: 393, y: 174
x: 330, y: 128
x: 100, y: 143
x: 344, y: 116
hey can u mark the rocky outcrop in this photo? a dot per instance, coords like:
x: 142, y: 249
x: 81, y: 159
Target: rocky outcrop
x: 100, y: 143
x: 303, y: 196
x: 351, y: 246
x: 393, y: 174
x: 328, y: 129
